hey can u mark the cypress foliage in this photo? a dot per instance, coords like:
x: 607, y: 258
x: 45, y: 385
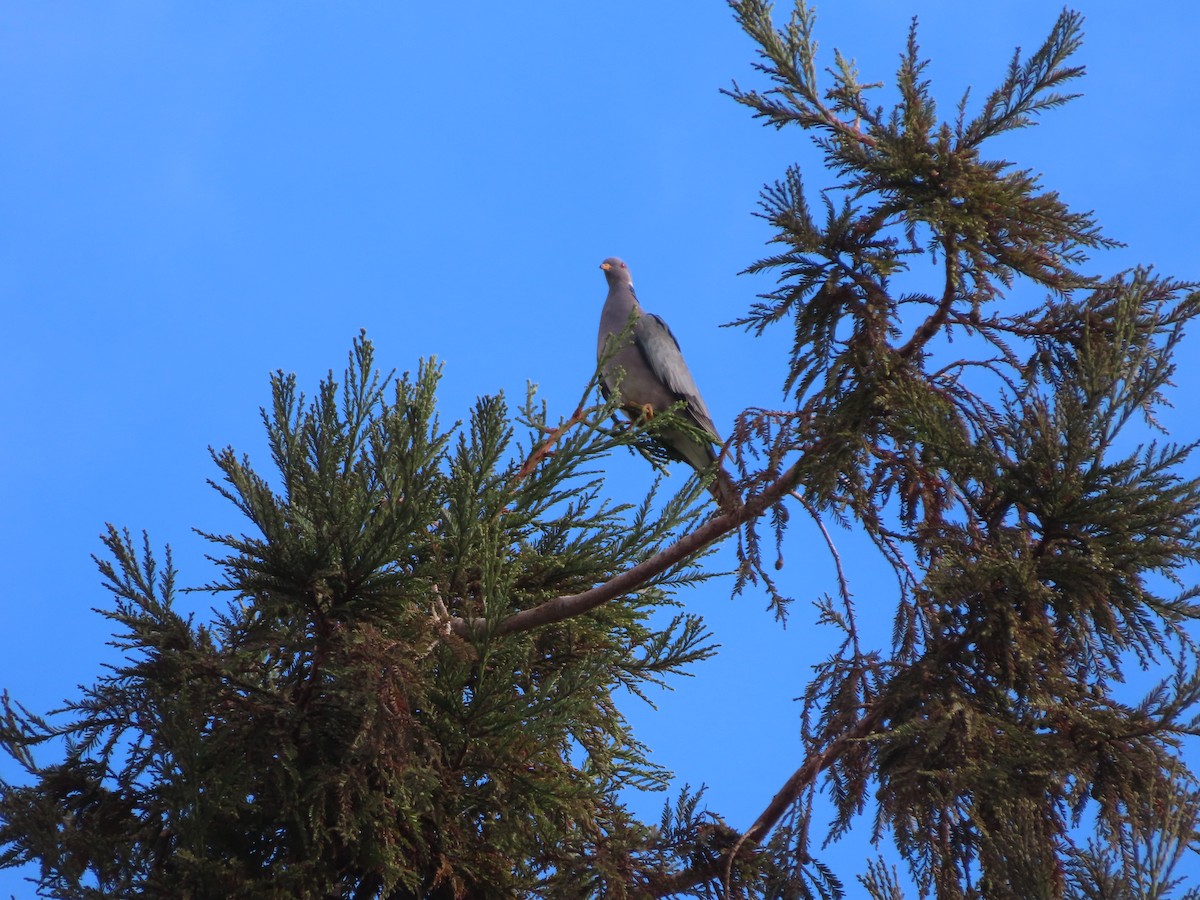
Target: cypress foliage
x: 981, y: 442
x: 412, y: 689
x: 330, y: 734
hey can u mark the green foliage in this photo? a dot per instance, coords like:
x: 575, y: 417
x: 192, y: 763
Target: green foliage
x: 1035, y: 542
x: 413, y: 690
x: 329, y: 734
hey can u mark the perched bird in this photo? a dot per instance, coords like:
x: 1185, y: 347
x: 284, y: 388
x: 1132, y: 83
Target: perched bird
x: 655, y: 377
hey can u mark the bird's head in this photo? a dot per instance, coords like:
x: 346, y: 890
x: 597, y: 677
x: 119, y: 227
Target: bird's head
x: 616, y: 271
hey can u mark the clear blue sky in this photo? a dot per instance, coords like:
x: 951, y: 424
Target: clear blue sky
x: 195, y: 195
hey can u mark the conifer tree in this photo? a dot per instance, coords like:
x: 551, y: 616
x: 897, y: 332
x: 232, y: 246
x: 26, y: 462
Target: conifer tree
x: 411, y: 689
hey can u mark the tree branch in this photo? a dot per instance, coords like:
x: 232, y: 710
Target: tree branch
x: 546, y: 447
x: 930, y: 326
x: 799, y: 781
x: 804, y: 776
x: 569, y: 605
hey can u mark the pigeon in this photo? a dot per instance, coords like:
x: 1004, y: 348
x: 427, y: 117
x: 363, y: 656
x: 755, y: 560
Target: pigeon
x: 655, y: 378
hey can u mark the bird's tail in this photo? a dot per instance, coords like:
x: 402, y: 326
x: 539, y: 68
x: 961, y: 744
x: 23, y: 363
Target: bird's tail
x: 725, y: 491
x: 701, y: 455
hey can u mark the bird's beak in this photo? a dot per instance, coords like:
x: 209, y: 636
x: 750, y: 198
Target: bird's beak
x: 605, y: 266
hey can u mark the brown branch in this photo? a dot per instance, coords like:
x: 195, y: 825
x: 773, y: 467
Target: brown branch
x: 799, y: 782
x: 927, y: 329
x: 569, y: 605
x: 853, y: 132
x: 546, y: 447
x: 804, y: 776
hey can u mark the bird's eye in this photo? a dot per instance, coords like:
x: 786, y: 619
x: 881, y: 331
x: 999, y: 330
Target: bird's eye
x: 623, y: 266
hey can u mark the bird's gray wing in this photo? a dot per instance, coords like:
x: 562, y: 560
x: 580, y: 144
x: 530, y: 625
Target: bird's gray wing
x: 660, y: 350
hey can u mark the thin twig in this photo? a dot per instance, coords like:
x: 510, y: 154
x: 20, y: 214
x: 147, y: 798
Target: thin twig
x: 546, y: 447
x: 843, y: 583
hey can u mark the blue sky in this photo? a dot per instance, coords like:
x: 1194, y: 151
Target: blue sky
x: 196, y: 195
